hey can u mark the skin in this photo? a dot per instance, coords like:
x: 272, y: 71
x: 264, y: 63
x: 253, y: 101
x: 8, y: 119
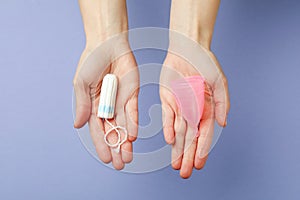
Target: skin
x: 102, y: 20
x: 195, y: 19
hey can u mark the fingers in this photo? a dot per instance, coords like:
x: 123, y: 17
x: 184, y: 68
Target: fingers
x: 97, y: 134
x: 112, y: 138
x: 178, y: 146
x: 221, y: 98
x: 205, y: 138
x: 168, y: 116
x: 83, y: 103
x: 199, y: 163
x: 132, y: 116
x: 189, y: 152
x: 221, y: 94
x: 126, y: 152
x: 126, y: 147
x: 206, y: 131
x: 204, y: 142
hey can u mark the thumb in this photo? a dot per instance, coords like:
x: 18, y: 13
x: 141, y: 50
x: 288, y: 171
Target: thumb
x: 83, y: 103
x: 221, y: 98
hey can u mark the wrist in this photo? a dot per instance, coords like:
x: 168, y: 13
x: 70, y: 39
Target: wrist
x: 115, y: 44
x: 193, y: 31
x: 103, y: 31
x: 96, y: 38
x: 192, y: 19
x: 103, y: 19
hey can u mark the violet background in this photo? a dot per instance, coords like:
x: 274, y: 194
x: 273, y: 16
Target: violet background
x: 257, y: 156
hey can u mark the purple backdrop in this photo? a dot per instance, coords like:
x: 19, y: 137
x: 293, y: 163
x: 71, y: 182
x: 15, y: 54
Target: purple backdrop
x: 41, y: 156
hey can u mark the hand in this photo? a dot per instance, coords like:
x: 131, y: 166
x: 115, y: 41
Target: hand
x: 188, y: 151
x: 93, y: 66
x: 107, y: 51
x: 192, y: 23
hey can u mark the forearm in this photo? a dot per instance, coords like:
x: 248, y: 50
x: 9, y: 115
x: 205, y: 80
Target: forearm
x: 195, y: 19
x: 103, y: 19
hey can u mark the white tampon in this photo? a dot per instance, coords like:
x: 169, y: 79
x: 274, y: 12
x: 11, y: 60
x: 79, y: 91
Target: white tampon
x: 106, y: 109
x: 108, y: 95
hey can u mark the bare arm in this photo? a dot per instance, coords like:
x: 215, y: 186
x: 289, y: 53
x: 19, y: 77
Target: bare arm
x: 103, y: 19
x: 195, y: 19
x: 107, y: 52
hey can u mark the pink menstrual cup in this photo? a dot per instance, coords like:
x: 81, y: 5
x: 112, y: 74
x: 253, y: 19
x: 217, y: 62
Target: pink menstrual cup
x: 189, y: 95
